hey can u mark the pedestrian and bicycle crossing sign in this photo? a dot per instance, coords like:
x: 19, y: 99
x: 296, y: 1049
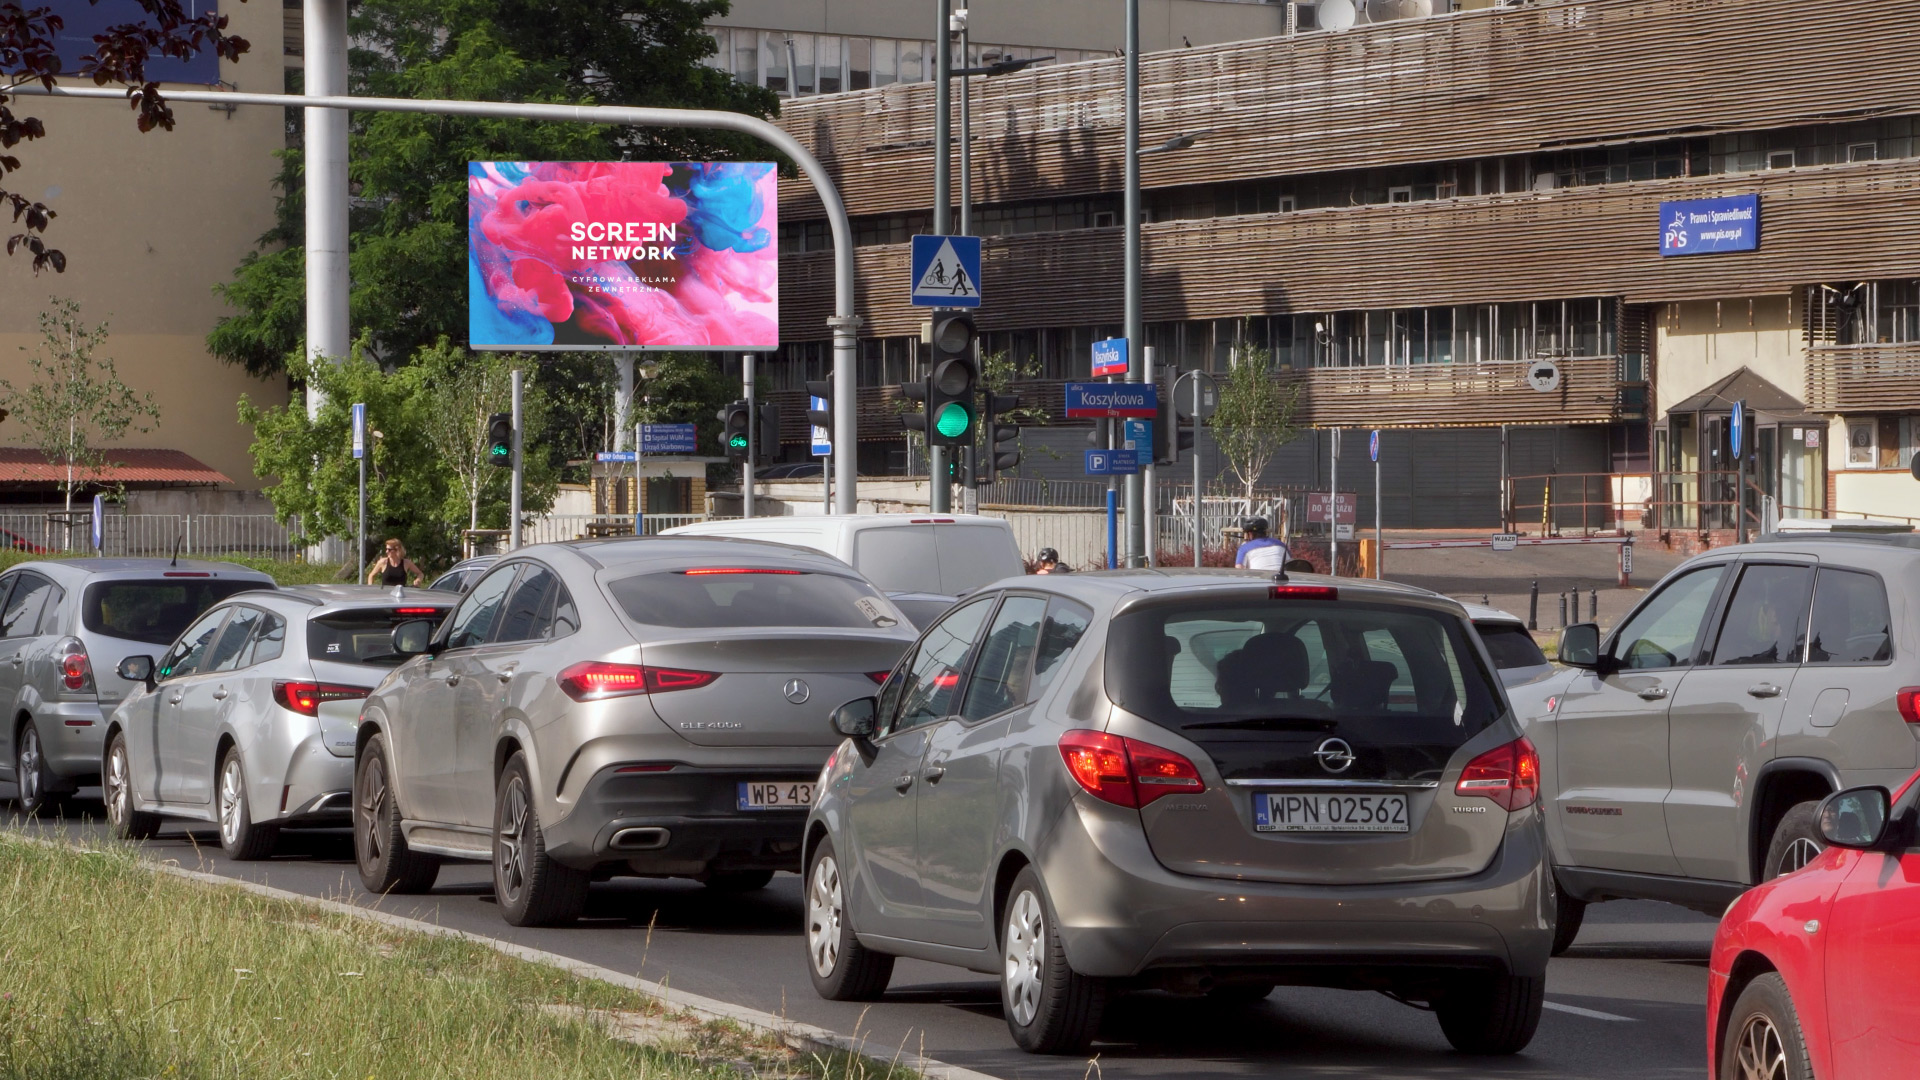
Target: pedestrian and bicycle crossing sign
x: 946, y: 271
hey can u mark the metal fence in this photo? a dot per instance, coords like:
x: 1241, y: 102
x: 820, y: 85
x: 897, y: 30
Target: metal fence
x: 151, y: 535
x: 556, y: 527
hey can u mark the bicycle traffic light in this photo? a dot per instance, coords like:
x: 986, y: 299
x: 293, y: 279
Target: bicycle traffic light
x: 500, y: 440
x: 766, y: 441
x: 1003, y: 446
x: 734, y: 423
x: 1171, y: 434
x: 822, y: 389
x: 950, y: 388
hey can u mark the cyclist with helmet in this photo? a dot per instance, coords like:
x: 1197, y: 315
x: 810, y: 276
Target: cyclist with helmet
x: 1048, y: 562
x: 1260, y: 551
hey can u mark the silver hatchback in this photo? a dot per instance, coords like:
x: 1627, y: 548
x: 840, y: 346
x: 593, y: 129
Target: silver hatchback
x: 1200, y: 782
x: 654, y: 707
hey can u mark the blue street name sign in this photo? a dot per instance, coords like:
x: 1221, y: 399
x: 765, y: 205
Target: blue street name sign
x: 822, y: 438
x: 1112, y: 462
x: 945, y: 272
x: 615, y: 456
x: 1110, y: 357
x: 1112, y: 399
x: 1705, y: 226
x: 666, y: 438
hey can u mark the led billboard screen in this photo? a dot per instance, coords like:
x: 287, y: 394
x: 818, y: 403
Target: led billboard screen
x: 622, y: 255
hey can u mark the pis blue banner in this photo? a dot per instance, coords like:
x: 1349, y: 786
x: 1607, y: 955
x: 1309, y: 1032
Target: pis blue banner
x: 1705, y: 226
x: 1112, y: 399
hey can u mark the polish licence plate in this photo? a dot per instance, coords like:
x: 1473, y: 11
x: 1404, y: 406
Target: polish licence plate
x: 1316, y: 812
x: 776, y: 794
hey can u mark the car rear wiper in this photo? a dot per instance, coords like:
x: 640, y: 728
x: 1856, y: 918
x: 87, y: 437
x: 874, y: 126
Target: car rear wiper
x: 1266, y: 723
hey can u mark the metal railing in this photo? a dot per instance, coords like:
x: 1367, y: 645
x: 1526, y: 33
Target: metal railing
x: 150, y: 535
x: 1039, y: 491
x: 556, y: 527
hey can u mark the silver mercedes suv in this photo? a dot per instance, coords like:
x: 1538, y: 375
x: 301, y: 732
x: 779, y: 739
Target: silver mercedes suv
x: 1205, y: 782
x: 656, y: 707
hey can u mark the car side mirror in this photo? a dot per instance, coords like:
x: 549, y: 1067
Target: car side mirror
x: 1580, y: 646
x: 136, y: 669
x: 413, y: 637
x: 1854, y: 818
x: 856, y: 718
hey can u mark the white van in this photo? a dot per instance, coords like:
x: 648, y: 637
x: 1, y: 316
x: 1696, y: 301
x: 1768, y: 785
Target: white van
x: 921, y: 561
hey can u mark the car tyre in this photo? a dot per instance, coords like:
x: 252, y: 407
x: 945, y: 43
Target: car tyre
x: 842, y: 969
x: 1050, y: 1008
x: 116, y: 790
x: 1492, y: 1014
x: 1763, y: 1040
x: 532, y: 889
x: 379, y: 847
x: 1796, y: 841
x: 1568, y: 914
x: 739, y: 881
x: 35, y: 782
x: 243, y: 839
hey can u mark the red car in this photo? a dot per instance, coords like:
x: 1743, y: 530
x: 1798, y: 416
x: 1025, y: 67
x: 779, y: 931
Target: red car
x: 1817, y: 973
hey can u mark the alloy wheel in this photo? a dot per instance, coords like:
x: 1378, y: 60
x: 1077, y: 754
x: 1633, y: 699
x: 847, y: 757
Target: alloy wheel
x: 28, y: 773
x: 119, y: 795
x: 1798, y: 854
x: 373, y: 804
x: 1762, y: 1054
x: 1025, y: 955
x: 510, y: 851
x: 824, y: 910
x: 232, y: 795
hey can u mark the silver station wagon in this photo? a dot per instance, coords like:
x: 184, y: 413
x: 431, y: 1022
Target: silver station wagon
x: 1204, y: 782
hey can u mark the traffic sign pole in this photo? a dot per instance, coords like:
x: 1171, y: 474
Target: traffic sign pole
x: 1379, y: 537
x: 639, y: 480
x: 519, y: 470
x: 1150, y: 508
x: 1333, y: 510
x: 1196, y: 469
x: 753, y: 421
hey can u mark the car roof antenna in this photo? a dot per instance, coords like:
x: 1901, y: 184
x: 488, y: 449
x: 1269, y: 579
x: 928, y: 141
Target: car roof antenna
x: 1280, y: 576
x: 177, y: 538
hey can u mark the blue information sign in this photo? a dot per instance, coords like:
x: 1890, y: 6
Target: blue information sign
x: 1137, y: 435
x: 1112, y: 399
x: 99, y: 520
x: 946, y: 272
x: 1373, y: 445
x: 822, y: 438
x: 1110, y: 357
x: 617, y: 456
x: 1112, y: 462
x: 1736, y: 427
x: 1705, y: 226
x: 666, y: 439
x: 359, y: 429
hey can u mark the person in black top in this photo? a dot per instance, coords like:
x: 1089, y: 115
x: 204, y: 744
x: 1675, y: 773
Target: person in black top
x: 394, y: 568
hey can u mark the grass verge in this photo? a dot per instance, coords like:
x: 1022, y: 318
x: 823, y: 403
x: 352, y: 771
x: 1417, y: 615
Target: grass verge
x: 111, y: 970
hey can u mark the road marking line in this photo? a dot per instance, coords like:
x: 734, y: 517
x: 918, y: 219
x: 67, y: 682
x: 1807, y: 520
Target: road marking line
x: 805, y: 1037
x: 1591, y: 1014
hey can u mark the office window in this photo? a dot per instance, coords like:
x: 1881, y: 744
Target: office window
x: 886, y: 62
x: 1862, y: 151
x: 1780, y: 159
x: 722, y: 45
x: 1896, y: 311
x: 827, y: 60
x: 859, y: 63
x: 746, y: 57
x: 773, y: 61
x: 911, y: 68
x: 800, y: 48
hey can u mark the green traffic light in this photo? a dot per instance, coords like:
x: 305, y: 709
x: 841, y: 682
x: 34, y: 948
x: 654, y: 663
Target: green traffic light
x: 738, y: 442
x: 953, y: 421
x: 500, y: 451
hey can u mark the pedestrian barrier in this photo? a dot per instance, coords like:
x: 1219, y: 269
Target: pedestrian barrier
x: 150, y: 535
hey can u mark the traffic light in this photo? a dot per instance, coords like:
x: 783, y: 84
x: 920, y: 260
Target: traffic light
x: 766, y: 441
x: 1003, y: 447
x: 957, y: 470
x: 919, y: 393
x: 500, y: 440
x: 950, y: 389
x: 733, y: 430
x: 822, y: 389
x: 1171, y: 435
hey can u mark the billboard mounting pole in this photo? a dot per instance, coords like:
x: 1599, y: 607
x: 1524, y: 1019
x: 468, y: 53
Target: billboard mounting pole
x: 844, y: 322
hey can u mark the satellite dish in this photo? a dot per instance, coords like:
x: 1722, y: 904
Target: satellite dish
x: 1337, y: 14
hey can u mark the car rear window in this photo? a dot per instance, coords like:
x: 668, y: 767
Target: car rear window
x: 154, y: 611
x: 1241, y: 676
x: 722, y: 597
x: 1510, y: 645
x: 361, y: 635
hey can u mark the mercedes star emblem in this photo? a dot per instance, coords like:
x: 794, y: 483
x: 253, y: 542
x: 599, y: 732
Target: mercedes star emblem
x: 798, y: 692
x: 1335, y: 755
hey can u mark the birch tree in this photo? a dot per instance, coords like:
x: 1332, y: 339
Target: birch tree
x: 1255, y: 416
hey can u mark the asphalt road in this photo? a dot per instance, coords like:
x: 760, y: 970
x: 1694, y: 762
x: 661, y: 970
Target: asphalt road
x: 1627, y: 1001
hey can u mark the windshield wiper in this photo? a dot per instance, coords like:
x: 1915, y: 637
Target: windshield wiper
x: 1266, y: 723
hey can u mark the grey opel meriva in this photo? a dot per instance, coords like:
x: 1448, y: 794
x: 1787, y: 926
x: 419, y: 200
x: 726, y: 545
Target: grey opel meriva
x: 1205, y: 782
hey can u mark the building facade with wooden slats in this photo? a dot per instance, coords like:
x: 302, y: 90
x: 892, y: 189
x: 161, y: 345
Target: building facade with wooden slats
x: 1403, y: 217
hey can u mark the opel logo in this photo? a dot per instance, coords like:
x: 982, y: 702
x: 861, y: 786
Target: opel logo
x: 1335, y: 755
x: 797, y: 691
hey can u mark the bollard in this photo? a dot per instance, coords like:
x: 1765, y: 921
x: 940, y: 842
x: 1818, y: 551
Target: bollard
x: 1593, y: 605
x: 1533, y: 606
x: 1563, y: 609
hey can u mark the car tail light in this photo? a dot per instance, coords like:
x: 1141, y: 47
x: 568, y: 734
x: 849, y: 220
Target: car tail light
x: 419, y: 611
x: 185, y: 573
x: 704, y: 570
x: 1908, y: 699
x: 305, y: 697
x: 878, y: 677
x: 1123, y: 771
x: 1509, y: 775
x: 75, y: 670
x: 595, y: 680
x: 1303, y: 592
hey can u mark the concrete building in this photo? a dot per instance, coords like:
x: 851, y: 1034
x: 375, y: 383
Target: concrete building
x: 1411, y: 216
x: 149, y: 224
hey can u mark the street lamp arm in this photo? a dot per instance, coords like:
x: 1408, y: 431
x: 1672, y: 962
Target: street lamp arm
x: 844, y: 321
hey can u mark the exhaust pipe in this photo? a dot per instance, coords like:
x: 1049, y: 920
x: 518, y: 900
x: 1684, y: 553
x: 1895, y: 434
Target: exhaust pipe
x: 643, y: 839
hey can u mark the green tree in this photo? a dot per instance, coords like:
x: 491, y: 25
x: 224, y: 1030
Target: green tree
x: 76, y: 400
x: 468, y: 388
x: 1255, y: 415
x: 408, y: 226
